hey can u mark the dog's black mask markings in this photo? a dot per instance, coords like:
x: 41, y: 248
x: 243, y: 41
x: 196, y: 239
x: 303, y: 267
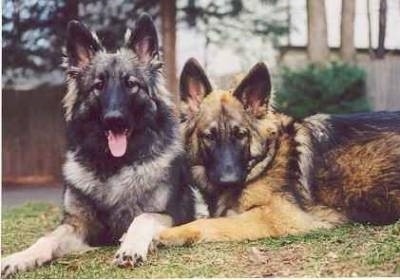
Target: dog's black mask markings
x: 225, y: 155
x: 223, y: 137
x: 116, y: 94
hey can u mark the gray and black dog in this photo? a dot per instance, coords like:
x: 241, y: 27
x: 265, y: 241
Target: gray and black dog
x: 125, y: 172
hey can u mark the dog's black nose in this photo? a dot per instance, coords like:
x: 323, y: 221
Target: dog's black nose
x: 115, y: 121
x: 229, y: 176
x: 229, y: 179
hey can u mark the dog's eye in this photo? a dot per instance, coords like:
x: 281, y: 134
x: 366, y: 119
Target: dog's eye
x: 240, y: 133
x: 98, y: 85
x: 132, y: 85
x: 209, y: 135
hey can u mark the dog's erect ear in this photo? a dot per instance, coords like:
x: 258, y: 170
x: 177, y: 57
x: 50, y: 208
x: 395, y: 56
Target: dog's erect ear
x: 194, y: 85
x: 255, y: 89
x: 82, y: 45
x: 143, y: 40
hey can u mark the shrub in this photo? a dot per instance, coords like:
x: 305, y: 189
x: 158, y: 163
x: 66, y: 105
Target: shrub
x: 335, y: 88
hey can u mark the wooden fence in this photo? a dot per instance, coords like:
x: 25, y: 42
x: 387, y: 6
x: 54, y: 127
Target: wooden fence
x: 33, y: 135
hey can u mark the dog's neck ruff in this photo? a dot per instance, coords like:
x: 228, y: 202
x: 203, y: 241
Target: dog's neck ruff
x: 261, y: 163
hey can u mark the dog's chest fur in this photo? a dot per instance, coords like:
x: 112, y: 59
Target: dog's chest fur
x: 118, y: 199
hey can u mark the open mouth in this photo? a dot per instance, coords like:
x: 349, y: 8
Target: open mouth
x: 117, y: 142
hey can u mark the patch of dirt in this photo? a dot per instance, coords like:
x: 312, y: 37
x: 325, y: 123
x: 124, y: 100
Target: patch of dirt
x: 287, y: 261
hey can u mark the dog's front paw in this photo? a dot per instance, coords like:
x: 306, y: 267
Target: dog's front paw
x: 132, y: 254
x: 178, y: 236
x: 128, y: 258
x: 21, y: 261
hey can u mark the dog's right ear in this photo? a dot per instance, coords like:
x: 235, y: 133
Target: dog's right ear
x: 194, y: 86
x: 82, y: 45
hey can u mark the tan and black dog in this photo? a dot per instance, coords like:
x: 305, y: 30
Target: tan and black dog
x: 264, y: 173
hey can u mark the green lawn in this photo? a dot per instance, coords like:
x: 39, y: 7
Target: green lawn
x: 355, y: 250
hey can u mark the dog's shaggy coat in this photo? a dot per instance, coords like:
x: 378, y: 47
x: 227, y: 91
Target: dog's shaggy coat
x: 302, y: 175
x: 125, y: 172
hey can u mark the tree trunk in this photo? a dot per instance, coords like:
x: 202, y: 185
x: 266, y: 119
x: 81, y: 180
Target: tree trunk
x: 347, y: 48
x: 168, y: 33
x: 370, y: 50
x: 289, y: 21
x: 380, y: 52
x: 71, y: 10
x: 16, y: 21
x: 318, y: 50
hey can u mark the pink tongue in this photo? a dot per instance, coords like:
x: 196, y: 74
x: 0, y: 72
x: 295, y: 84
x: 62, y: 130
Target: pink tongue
x: 117, y: 144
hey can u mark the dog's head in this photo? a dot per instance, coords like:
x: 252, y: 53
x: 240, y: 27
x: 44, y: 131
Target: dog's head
x: 117, y: 93
x: 228, y: 132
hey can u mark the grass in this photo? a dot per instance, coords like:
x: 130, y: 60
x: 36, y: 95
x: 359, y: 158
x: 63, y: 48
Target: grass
x: 351, y: 250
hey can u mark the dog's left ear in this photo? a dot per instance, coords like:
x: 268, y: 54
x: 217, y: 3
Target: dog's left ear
x: 143, y: 40
x: 255, y: 89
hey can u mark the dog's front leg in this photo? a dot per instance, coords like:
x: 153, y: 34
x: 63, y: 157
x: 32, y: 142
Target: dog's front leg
x: 63, y: 240
x: 248, y: 225
x: 139, y: 237
x: 259, y: 222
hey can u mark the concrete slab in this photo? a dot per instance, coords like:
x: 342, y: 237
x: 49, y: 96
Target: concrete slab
x: 14, y: 196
